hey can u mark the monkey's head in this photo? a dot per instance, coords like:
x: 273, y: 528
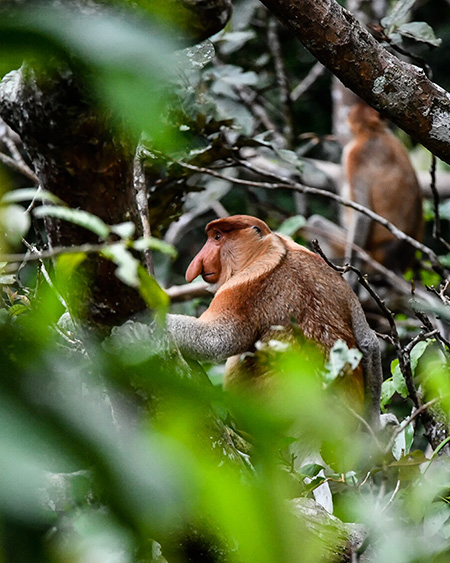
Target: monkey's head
x: 364, y: 118
x: 233, y: 242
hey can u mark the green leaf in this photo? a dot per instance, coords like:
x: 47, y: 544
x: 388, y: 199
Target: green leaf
x: 127, y: 264
x: 399, y: 445
x: 29, y: 194
x: 292, y: 225
x: 436, y: 517
x: 398, y: 14
x: 409, y: 437
x: 154, y: 296
x: 419, y: 31
x: 124, y: 230
x: 15, y: 222
x: 233, y: 41
x: 399, y: 380
x: 387, y: 392
x: 197, y: 56
x: 66, y: 264
x: 310, y: 470
x: 418, y: 351
x: 153, y: 243
x: 409, y: 466
x: 129, y: 60
x: 17, y: 309
x: 7, y: 279
x: 290, y: 157
x: 341, y: 357
x: 76, y: 216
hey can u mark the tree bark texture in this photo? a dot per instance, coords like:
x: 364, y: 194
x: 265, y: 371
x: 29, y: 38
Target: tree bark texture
x: 80, y: 158
x: 399, y: 90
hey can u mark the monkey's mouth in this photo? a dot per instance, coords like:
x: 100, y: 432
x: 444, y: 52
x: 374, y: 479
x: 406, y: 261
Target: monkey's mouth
x: 210, y: 277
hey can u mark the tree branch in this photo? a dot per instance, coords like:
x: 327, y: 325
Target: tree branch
x: 399, y: 90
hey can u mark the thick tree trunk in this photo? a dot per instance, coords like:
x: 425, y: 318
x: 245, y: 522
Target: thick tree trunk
x: 79, y: 157
x: 82, y: 158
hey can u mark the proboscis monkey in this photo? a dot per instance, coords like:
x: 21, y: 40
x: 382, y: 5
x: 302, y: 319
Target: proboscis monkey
x: 381, y: 177
x: 265, y: 280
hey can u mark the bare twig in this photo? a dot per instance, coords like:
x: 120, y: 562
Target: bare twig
x: 428, y: 325
x: 142, y: 205
x: 363, y: 281
x: 316, y: 72
x: 15, y: 153
x: 443, y: 291
x: 281, y: 78
x: 366, y: 425
x: 15, y: 161
x: 188, y: 291
x: 394, y: 494
x: 402, y: 354
x: 46, y: 275
x: 408, y: 421
x: 23, y: 169
x: 398, y: 282
x: 251, y: 100
x: 420, y: 338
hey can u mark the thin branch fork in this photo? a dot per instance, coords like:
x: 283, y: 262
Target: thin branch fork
x: 19, y: 167
x: 410, y: 419
x: 403, y: 354
x: 15, y: 161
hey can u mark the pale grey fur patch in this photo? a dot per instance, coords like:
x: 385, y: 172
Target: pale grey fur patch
x: 204, y: 341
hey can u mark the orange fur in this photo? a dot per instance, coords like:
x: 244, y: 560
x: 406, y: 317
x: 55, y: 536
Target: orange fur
x: 265, y: 280
x: 380, y: 176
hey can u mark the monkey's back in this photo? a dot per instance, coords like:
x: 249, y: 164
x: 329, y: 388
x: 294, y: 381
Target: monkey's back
x: 383, y: 170
x: 302, y: 289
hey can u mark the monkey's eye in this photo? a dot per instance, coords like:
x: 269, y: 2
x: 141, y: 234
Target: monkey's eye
x: 217, y: 236
x: 257, y: 229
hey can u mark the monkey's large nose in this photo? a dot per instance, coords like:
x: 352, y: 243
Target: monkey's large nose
x: 195, y: 269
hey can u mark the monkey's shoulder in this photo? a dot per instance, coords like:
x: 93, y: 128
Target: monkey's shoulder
x: 298, y: 278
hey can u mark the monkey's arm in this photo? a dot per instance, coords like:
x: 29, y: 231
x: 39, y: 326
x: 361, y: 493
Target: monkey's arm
x: 209, y: 340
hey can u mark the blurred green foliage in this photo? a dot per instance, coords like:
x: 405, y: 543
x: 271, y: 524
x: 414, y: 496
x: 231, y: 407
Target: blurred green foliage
x: 111, y: 450
x: 109, y: 445
x: 115, y: 54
